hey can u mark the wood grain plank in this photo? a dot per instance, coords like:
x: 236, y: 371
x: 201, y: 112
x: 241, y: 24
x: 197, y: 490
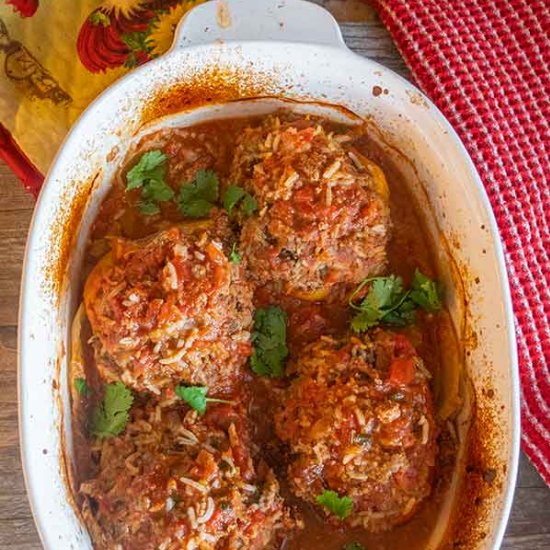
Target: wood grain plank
x: 16, y: 534
x: 530, y: 513
x: 16, y: 209
x: 14, y: 197
x: 349, y: 10
x: 13, y: 231
x: 526, y: 542
x: 528, y: 477
x: 372, y: 40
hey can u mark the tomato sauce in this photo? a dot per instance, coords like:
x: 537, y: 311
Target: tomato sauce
x: 409, y: 248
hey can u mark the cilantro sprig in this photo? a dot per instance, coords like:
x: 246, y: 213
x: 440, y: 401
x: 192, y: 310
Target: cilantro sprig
x: 149, y: 175
x: 111, y: 415
x: 388, y: 302
x: 235, y: 197
x: 198, y: 197
x: 234, y: 256
x: 339, y: 506
x: 269, y: 340
x: 425, y: 292
x: 195, y: 198
x: 196, y: 397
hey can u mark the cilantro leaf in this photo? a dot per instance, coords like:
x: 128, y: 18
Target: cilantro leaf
x: 233, y: 194
x: 158, y: 191
x: 195, y: 397
x: 151, y: 166
x: 149, y: 176
x: 364, y: 320
x: 382, y: 295
x: 269, y: 340
x: 111, y: 415
x: 236, y: 196
x: 207, y: 184
x: 81, y: 386
x: 194, y: 208
x: 401, y: 316
x: 425, y: 292
x: 354, y: 546
x: 234, y: 256
x: 385, y: 291
x: 387, y: 302
x: 197, y: 198
x: 339, y: 506
x: 148, y: 208
x: 249, y: 205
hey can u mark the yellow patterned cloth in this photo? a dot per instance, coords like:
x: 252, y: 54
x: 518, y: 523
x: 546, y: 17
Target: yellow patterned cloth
x: 57, y: 56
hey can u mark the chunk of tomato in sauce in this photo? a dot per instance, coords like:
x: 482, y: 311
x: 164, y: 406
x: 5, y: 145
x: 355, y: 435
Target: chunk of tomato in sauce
x: 402, y: 371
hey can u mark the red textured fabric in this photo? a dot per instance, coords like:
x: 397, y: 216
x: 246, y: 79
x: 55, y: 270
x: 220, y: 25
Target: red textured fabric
x: 486, y: 65
x: 20, y: 165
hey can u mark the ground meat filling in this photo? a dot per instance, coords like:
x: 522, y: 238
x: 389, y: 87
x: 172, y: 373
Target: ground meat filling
x: 358, y: 420
x: 176, y: 480
x: 323, y: 215
x: 171, y: 308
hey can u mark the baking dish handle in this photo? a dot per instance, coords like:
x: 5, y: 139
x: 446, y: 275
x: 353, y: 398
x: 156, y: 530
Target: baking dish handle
x: 249, y: 20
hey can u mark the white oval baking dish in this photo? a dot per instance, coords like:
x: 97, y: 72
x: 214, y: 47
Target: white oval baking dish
x: 290, y: 49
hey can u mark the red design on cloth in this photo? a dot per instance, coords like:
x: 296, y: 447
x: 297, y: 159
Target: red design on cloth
x: 110, y: 39
x: 18, y: 162
x: 26, y: 8
x: 102, y: 46
x: 486, y: 65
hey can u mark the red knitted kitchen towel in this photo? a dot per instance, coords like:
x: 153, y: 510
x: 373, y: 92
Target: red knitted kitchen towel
x: 485, y: 64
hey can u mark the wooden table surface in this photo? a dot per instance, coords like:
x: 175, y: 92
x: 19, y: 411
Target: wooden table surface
x: 529, y: 526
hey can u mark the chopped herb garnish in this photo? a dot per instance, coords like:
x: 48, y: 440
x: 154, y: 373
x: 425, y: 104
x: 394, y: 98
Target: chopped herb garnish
x: 234, y: 256
x: 339, y: 506
x: 249, y: 205
x: 148, y: 208
x: 354, y: 546
x: 237, y: 197
x: 158, y: 191
x: 425, y: 292
x: 387, y: 302
x: 195, y: 397
x: 233, y: 194
x: 269, y: 340
x: 197, y: 198
x: 149, y: 175
x: 151, y: 166
x: 81, y: 386
x: 111, y: 415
